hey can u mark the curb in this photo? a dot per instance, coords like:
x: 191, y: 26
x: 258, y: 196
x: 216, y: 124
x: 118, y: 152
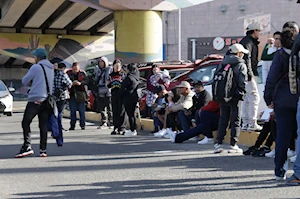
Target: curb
x: 245, y: 138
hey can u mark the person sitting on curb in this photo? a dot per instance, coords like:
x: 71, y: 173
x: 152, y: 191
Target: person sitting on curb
x: 160, y: 106
x: 209, y: 120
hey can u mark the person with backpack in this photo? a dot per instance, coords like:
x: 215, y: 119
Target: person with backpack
x: 115, y: 84
x: 39, y: 91
x: 251, y: 101
x: 278, y: 96
x: 229, y: 89
x: 103, y: 94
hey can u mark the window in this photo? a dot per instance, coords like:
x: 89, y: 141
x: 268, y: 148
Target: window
x: 2, y: 86
x: 204, y: 74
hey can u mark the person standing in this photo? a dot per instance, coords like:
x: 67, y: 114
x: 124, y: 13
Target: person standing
x: 232, y: 108
x: 35, y: 78
x: 251, y: 101
x: 128, y: 93
x: 103, y: 94
x: 78, y: 95
x: 62, y: 83
x: 115, y: 84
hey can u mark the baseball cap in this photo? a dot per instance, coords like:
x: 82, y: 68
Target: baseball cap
x: 253, y: 26
x: 236, y: 48
x: 40, y: 53
x: 184, y: 84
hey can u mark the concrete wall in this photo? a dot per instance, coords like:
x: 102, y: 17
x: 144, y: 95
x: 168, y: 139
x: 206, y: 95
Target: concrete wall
x: 206, y: 20
x: 12, y: 73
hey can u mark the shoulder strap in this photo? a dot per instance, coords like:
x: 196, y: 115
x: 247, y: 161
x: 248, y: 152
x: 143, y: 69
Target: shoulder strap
x: 47, y: 85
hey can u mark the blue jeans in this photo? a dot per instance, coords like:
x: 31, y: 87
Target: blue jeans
x: 157, y: 123
x: 77, y: 106
x: 297, y: 162
x: 184, y: 120
x: 209, y: 123
x: 286, y: 127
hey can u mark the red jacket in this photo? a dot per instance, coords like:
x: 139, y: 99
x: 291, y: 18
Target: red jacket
x: 212, y: 106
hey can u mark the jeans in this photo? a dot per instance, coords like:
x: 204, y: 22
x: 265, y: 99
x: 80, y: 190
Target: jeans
x: 33, y: 109
x: 77, y: 106
x: 286, y: 126
x: 184, y: 120
x: 250, y: 103
x: 229, y: 110
x: 102, y: 103
x: 197, y: 117
x: 209, y: 123
x: 297, y: 162
x: 157, y: 123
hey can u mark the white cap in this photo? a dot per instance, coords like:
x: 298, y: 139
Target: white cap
x: 184, y: 84
x: 237, y: 48
x: 253, y: 26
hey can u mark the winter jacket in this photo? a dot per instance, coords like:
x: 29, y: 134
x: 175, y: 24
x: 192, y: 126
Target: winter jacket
x: 212, y: 106
x: 81, y: 77
x: 128, y: 91
x: 294, y: 68
x: 239, y: 74
x: 184, y: 102
x: 268, y: 52
x: 277, y: 86
x: 200, y: 100
x: 35, y: 78
x: 101, y: 75
x: 251, y: 59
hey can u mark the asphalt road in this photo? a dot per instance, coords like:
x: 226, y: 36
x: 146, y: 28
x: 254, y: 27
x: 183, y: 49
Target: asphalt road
x: 94, y: 164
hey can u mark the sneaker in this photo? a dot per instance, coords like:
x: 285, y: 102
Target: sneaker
x: 244, y: 127
x: 293, y: 181
x: 24, y: 151
x: 194, y: 139
x: 71, y: 128
x: 206, y: 140
x: 83, y: 128
x: 280, y: 178
x: 173, y: 137
x: 293, y: 159
x: 103, y: 126
x: 261, y: 152
x: 271, y: 154
x: 43, y: 153
x: 218, y: 148
x: 291, y: 153
x: 160, y: 133
x: 130, y: 133
x: 122, y: 132
x: 65, y: 130
x: 168, y: 133
x: 254, y: 127
x: 250, y: 150
x: 115, y: 132
x: 235, y: 149
x: 284, y: 170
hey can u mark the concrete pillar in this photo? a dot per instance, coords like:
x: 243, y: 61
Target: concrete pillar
x: 138, y: 36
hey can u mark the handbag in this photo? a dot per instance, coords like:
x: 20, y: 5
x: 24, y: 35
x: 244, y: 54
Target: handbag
x: 80, y: 96
x: 49, y: 103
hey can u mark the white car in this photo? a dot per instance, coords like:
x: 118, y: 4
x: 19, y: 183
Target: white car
x: 6, y: 99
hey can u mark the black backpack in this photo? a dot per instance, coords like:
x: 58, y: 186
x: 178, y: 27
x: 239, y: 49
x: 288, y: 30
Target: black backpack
x: 223, y: 86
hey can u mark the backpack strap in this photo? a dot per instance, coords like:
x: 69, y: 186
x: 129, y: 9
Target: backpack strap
x: 47, y: 85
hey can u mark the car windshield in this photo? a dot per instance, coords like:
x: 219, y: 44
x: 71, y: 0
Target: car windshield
x: 204, y: 74
x: 2, y: 86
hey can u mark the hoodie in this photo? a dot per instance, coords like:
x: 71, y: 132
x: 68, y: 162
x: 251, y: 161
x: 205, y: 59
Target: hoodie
x: 36, y: 79
x: 101, y: 75
x: 239, y: 74
x: 129, y: 86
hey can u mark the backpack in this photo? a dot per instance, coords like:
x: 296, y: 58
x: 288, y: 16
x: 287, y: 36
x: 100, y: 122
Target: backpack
x: 223, y: 86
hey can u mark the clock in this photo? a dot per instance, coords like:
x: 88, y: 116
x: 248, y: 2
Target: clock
x: 218, y: 43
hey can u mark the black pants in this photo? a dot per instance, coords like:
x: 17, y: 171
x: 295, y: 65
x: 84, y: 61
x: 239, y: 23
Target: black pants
x: 33, y: 109
x: 130, y: 106
x: 102, y: 103
x: 118, y: 112
x: 171, y: 121
x: 229, y: 110
x: 61, y: 107
x: 269, y: 132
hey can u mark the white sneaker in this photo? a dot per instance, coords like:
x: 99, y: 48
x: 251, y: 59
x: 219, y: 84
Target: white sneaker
x: 293, y: 159
x: 168, y: 133
x: 130, y: 133
x: 254, y: 127
x: 291, y: 153
x: 206, y: 140
x: 271, y: 154
x: 244, y: 127
x: 160, y: 133
x: 277, y: 178
x: 285, y: 168
x: 103, y: 126
x: 218, y: 148
x: 194, y: 138
x: 235, y: 149
x: 173, y: 137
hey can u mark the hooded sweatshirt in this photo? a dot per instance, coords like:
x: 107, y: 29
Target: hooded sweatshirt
x: 101, y: 75
x: 128, y: 91
x: 239, y: 74
x: 36, y: 79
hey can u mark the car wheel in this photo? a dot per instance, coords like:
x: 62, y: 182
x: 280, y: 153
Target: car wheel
x: 8, y: 113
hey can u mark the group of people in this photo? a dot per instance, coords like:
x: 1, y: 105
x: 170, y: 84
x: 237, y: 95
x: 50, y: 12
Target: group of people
x: 183, y: 113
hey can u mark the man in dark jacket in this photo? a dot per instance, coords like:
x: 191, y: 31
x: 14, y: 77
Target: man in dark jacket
x: 250, y: 104
x: 231, y: 109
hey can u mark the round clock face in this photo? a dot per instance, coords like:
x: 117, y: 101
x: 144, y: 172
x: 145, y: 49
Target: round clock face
x: 218, y: 43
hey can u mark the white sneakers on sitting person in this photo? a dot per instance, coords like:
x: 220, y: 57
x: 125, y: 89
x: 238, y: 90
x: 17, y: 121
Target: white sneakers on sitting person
x: 290, y: 154
x: 168, y: 133
x: 160, y: 133
x: 271, y: 154
x: 206, y: 140
x: 130, y: 133
x: 173, y: 137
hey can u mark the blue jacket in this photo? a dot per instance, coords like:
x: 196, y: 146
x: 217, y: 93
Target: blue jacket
x: 277, y: 88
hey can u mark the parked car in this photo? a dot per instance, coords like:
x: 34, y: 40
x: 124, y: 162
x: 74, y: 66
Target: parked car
x: 6, y: 99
